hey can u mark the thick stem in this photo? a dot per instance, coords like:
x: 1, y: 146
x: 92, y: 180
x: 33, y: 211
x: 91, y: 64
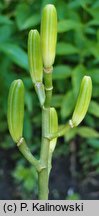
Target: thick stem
x: 48, y: 88
x: 43, y: 176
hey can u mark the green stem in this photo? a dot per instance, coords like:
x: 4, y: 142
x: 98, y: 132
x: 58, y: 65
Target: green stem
x: 23, y: 148
x: 43, y: 176
x: 59, y: 133
x: 48, y: 88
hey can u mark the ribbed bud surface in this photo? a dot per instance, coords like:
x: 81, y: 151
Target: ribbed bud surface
x: 83, y: 101
x: 48, y: 35
x: 15, y: 112
x: 34, y: 56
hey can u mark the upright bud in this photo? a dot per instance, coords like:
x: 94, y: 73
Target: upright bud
x: 34, y: 56
x: 53, y: 127
x: 48, y: 35
x: 36, y: 64
x: 15, y: 113
x: 82, y: 102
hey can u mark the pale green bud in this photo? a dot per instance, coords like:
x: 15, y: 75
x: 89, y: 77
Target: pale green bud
x: 49, y: 116
x: 34, y: 56
x: 82, y: 103
x: 36, y: 64
x: 48, y: 35
x: 15, y: 113
x: 53, y: 127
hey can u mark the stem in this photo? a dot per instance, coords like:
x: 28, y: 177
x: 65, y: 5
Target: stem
x: 59, y: 133
x: 23, y: 148
x: 43, y: 176
x: 48, y: 88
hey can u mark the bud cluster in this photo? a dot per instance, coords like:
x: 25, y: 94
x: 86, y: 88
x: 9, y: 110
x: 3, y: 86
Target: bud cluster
x: 41, y: 56
x: 41, y: 49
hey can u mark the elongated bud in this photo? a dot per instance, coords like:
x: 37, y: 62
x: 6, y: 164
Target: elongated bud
x: 53, y: 120
x: 36, y: 64
x: 48, y: 35
x: 53, y: 127
x: 51, y: 124
x: 82, y: 101
x: 15, y: 113
x: 34, y: 56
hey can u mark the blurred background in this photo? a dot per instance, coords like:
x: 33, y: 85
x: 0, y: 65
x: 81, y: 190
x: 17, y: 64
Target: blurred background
x: 75, y: 172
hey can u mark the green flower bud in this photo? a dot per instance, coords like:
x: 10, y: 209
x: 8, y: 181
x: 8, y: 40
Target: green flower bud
x: 49, y: 127
x: 82, y: 102
x: 48, y: 35
x: 49, y: 116
x: 53, y: 127
x: 36, y: 64
x: 15, y: 113
x: 34, y: 56
x: 53, y: 120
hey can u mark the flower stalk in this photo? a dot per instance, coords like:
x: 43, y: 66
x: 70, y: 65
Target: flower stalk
x: 41, y: 54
